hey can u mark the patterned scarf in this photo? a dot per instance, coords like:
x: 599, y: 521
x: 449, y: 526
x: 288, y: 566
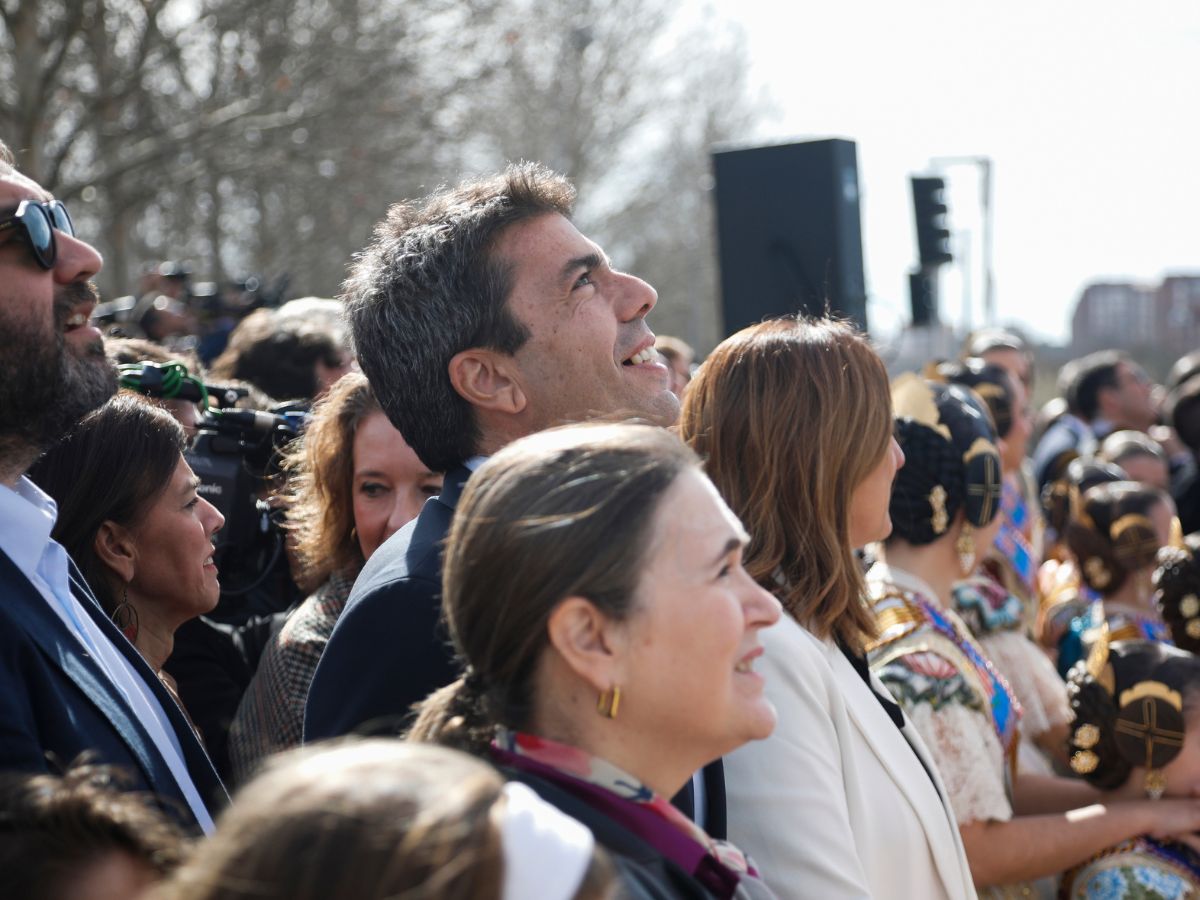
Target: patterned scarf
x: 593, y: 770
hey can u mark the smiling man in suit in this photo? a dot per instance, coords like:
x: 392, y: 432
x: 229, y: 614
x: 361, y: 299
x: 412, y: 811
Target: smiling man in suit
x: 480, y: 314
x: 70, y: 683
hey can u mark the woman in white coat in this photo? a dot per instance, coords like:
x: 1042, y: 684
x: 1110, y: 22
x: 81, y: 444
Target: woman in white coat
x: 794, y: 421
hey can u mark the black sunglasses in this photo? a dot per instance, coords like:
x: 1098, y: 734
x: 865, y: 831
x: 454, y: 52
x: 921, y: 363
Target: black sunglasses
x: 38, y: 222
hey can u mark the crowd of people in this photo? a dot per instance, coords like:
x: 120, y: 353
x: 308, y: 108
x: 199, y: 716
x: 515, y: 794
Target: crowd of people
x: 464, y: 585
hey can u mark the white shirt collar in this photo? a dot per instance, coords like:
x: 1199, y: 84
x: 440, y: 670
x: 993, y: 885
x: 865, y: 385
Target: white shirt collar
x: 27, y: 516
x: 475, y: 462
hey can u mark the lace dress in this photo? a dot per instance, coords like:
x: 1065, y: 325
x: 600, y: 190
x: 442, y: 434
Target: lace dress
x: 996, y: 620
x: 962, y: 706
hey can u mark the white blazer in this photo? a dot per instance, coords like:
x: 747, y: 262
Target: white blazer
x: 835, y: 804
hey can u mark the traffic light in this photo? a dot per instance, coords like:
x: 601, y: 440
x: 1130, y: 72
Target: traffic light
x: 922, y: 290
x: 933, y: 238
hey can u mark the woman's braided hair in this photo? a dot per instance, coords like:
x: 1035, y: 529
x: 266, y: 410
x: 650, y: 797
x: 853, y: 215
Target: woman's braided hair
x: 1177, y: 586
x: 1103, y: 692
x: 939, y: 427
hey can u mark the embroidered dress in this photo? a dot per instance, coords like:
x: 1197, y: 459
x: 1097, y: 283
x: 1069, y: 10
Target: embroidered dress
x: 1132, y: 625
x: 270, y: 717
x: 1138, y: 869
x: 995, y: 618
x: 709, y: 858
x: 962, y: 706
x: 1014, y: 559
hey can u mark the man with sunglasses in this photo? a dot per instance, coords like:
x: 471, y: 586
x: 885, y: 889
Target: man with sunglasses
x: 70, y: 683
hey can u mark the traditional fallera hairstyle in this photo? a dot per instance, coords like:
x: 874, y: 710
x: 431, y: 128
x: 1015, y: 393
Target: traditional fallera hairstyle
x: 990, y: 382
x: 430, y: 286
x: 1111, y: 533
x: 790, y: 416
x: 321, y: 465
x: 1061, y: 496
x: 1122, y: 445
x: 53, y: 828
x: 951, y: 462
x: 565, y: 512
x: 373, y: 820
x: 1177, y: 590
x: 111, y: 467
x: 1130, y: 701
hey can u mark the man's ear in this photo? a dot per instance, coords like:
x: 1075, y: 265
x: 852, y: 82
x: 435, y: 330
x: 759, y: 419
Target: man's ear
x: 587, y: 640
x: 115, y: 547
x: 488, y: 379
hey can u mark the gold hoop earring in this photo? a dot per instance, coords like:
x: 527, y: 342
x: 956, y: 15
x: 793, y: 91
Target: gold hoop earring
x: 609, y: 701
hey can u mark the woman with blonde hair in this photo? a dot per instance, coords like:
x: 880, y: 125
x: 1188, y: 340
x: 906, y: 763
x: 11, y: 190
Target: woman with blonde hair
x: 594, y: 591
x: 794, y: 422
x: 355, y: 482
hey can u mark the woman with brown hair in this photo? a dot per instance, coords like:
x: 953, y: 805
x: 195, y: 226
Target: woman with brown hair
x: 355, y: 482
x: 594, y: 591
x: 381, y: 819
x: 794, y: 422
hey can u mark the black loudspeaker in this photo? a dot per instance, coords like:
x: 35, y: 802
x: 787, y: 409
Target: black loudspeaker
x: 789, y: 232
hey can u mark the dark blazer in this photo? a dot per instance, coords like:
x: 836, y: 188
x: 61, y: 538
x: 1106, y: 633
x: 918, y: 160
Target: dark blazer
x: 56, y: 702
x: 645, y: 874
x: 390, y: 648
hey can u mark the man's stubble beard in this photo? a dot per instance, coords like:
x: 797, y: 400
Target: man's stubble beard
x: 46, y: 387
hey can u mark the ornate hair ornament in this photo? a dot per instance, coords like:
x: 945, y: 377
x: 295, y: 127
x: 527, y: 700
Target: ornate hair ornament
x: 913, y: 398
x: 1127, y: 521
x: 1085, y: 760
x: 1097, y: 661
x: 1176, y: 540
x: 1150, y: 729
x: 937, y: 502
x: 989, y: 486
x: 1097, y: 572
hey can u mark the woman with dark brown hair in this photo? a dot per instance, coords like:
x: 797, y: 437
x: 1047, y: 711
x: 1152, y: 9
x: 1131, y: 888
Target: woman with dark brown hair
x: 794, y: 422
x: 594, y: 591
x: 1115, y: 535
x: 354, y: 483
x: 1019, y: 828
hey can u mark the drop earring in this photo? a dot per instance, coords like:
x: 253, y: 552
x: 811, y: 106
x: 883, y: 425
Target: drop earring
x: 965, y: 545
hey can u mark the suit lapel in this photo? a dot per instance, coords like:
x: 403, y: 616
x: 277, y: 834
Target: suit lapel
x: 199, y: 766
x: 45, y: 628
x: 880, y: 734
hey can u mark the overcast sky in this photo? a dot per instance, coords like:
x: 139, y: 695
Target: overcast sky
x: 1089, y: 112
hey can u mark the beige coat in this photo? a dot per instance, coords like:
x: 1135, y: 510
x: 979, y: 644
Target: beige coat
x: 835, y: 804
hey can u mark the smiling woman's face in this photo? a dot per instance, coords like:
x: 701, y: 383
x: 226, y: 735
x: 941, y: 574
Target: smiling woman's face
x: 693, y: 635
x: 174, y: 546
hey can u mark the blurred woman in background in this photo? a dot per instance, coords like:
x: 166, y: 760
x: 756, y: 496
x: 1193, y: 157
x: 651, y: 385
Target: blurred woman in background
x: 355, y: 483
x: 380, y: 819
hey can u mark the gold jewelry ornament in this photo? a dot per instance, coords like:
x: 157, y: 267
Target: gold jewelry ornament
x: 1084, y: 762
x: 1189, y: 606
x: 1176, y: 539
x: 1086, y: 736
x: 1193, y: 629
x: 1155, y: 783
x: 1155, y: 689
x: 965, y: 545
x: 937, y: 500
x: 913, y: 398
x: 609, y: 701
x: 1097, y: 572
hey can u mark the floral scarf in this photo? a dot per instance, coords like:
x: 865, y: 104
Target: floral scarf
x: 601, y: 773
